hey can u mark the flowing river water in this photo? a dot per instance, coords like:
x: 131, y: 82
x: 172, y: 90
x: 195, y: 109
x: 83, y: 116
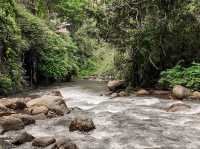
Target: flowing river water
x: 121, y: 123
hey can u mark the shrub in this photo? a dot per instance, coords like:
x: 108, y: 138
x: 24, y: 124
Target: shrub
x: 150, y: 36
x: 53, y: 52
x: 5, y: 84
x: 11, y: 49
x: 95, y: 56
x: 188, y: 77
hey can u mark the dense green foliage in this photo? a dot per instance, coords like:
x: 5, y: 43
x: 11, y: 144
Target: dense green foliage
x: 189, y: 77
x: 151, y: 36
x: 136, y: 40
x: 96, y: 56
x: 51, y: 49
x: 72, y: 11
x: 24, y: 36
x: 11, y: 47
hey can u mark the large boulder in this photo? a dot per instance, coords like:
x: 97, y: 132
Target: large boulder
x: 53, y: 103
x: 26, y: 119
x: 22, y: 138
x: 38, y: 110
x: 115, y: 85
x: 181, y: 92
x: 81, y: 124
x: 40, y: 116
x: 8, y: 123
x: 4, y: 111
x: 123, y: 94
x: 195, y: 95
x: 178, y: 107
x: 64, y: 143
x: 43, y: 141
x: 14, y: 103
x: 142, y: 92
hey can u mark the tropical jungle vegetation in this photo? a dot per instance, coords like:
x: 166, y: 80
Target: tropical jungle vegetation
x: 147, y: 43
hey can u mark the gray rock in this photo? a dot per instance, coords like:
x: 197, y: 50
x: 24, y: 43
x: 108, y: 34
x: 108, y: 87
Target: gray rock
x: 195, y: 95
x: 115, y: 85
x: 181, y: 92
x: 22, y: 138
x: 26, y: 119
x: 123, y: 94
x: 15, y: 104
x: 4, y: 111
x: 178, y: 107
x: 43, y: 141
x: 38, y: 109
x: 53, y: 103
x: 64, y: 143
x: 82, y: 124
x: 142, y: 92
x: 8, y: 123
x: 40, y: 116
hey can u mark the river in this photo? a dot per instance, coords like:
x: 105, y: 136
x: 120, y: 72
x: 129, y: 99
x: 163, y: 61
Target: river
x: 121, y: 123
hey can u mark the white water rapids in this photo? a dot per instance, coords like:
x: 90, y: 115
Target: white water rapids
x: 122, y: 123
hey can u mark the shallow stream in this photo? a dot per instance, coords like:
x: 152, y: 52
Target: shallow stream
x: 121, y: 123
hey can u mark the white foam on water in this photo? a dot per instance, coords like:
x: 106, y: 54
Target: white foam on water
x: 101, y: 135
x: 196, y: 126
x: 139, y: 116
x: 115, y: 145
x: 103, y: 120
x: 83, y: 107
x: 80, y: 96
x: 195, y: 110
x: 114, y: 108
x: 37, y: 132
x: 178, y: 122
x: 141, y: 145
x: 146, y: 102
x: 182, y: 121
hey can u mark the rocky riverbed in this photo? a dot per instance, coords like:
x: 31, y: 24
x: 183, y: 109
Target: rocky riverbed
x: 83, y: 119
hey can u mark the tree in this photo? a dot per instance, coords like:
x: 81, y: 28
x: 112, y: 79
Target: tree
x: 72, y: 11
x: 150, y: 36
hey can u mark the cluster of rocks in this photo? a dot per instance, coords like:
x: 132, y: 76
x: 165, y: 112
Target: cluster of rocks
x: 178, y: 92
x: 116, y: 88
x: 181, y: 92
x: 42, y: 142
x: 17, y: 113
x: 83, y: 124
x: 178, y: 107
